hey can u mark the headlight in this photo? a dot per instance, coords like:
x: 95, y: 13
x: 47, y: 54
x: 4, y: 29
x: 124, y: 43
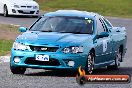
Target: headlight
x: 73, y: 49
x: 16, y: 6
x: 35, y: 7
x: 19, y: 46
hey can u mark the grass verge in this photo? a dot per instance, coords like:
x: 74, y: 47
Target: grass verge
x: 8, y: 33
x: 119, y: 8
x: 5, y: 46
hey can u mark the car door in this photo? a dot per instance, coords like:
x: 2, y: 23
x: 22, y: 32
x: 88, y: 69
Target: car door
x: 103, y: 45
x: 113, y: 44
x: 2, y: 6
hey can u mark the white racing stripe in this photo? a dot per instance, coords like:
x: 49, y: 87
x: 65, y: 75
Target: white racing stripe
x: 4, y: 59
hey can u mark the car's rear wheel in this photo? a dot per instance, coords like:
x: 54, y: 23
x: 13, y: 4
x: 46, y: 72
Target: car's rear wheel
x: 5, y: 11
x: 17, y: 70
x: 90, y: 63
x: 117, y: 61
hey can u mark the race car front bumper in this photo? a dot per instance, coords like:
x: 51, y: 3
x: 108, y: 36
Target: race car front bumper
x: 57, y: 60
x: 23, y: 11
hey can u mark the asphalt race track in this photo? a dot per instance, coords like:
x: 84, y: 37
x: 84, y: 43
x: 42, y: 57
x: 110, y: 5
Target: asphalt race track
x: 17, y: 20
x: 39, y: 78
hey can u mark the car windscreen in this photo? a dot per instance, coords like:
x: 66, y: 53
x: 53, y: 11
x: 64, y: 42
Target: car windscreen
x: 77, y: 25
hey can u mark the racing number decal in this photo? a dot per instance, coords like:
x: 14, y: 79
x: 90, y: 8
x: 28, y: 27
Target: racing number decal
x: 104, y: 45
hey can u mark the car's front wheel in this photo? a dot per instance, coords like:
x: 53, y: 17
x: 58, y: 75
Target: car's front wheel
x: 5, y: 11
x: 17, y: 70
x: 90, y: 63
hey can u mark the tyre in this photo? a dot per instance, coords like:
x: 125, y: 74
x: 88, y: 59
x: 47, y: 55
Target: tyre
x: 90, y: 63
x: 17, y: 70
x: 117, y: 61
x: 81, y: 80
x: 5, y: 11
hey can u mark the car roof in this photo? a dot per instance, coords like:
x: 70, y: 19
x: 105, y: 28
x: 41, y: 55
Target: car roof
x: 74, y: 13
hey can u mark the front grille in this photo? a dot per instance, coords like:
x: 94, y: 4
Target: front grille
x: 22, y: 12
x: 43, y: 49
x: 26, y: 6
x: 23, y: 6
x: 29, y: 6
x: 51, y: 62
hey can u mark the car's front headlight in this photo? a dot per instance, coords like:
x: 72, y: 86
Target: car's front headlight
x: 19, y: 46
x: 73, y: 49
x: 35, y: 7
x: 16, y: 6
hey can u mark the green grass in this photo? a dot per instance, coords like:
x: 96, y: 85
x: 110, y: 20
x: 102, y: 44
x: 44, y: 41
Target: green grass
x: 120, y: 8
x: 5, y: 46
x: 8, y: 28
x: 8, y: 34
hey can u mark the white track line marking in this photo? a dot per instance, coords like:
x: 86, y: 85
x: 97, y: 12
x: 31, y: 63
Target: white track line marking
x: 15, y: 25
x: 4, y: 59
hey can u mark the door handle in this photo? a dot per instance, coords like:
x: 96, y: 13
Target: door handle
x: 117, y: 31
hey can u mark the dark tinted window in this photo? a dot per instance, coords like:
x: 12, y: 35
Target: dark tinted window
x: 64, y: 25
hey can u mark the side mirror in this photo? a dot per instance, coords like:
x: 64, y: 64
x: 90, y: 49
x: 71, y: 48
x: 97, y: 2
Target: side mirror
x: 103, y: 34
x: 22, y: 29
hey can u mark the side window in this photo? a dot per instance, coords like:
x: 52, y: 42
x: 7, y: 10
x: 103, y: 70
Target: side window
x: 104, y: 25
x: 107, y: 22
x: 100, y: 27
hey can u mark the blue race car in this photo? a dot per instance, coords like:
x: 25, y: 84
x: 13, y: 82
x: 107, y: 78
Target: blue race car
x: 67, y: 39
